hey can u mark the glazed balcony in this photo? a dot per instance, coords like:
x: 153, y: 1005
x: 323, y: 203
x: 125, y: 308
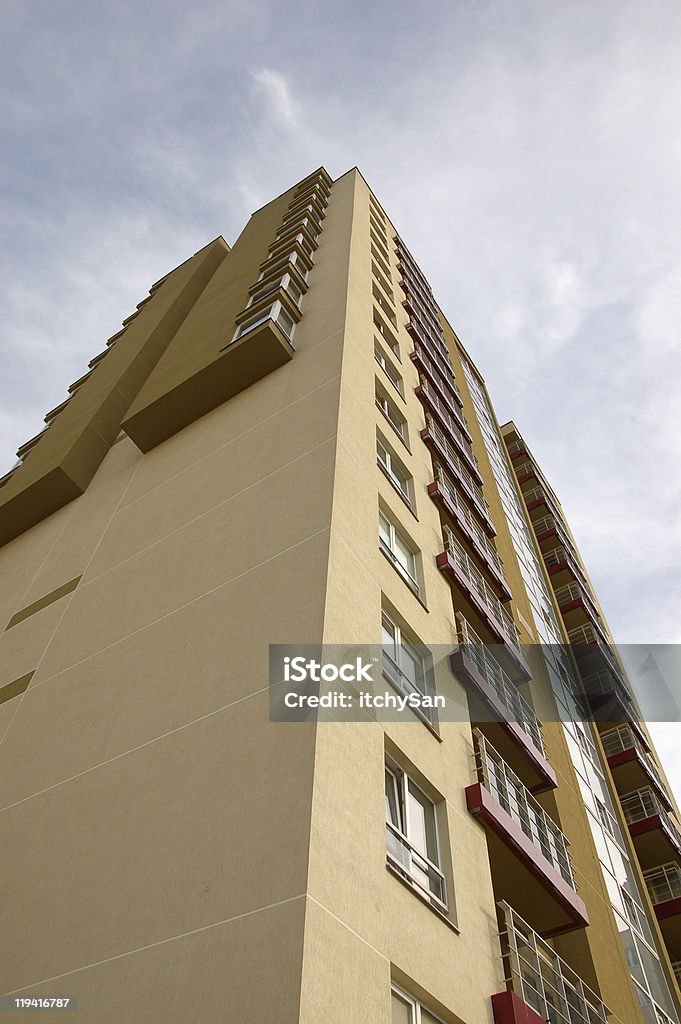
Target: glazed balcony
x: 467, y: 578
x: 434, y: 437
x: 444, y: 493
x: 528, y: 852
x: 631, y: 766
x: 475, y: 663
x: 656, y: 837
x: 540, y: 985
x: 444, y: 383
x: 664, y: 886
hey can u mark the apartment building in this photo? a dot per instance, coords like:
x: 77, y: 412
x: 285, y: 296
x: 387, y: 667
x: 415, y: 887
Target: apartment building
x: 287, y: 444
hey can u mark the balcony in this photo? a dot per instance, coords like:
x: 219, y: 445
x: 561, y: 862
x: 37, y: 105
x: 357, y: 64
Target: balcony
x: 474, y: 662
x: 540, y: 985
x: 444, y: 383
x: 433, y: 436
x: 664, y: 886
x: 549, y: 526
x: 631, y: 766
x: 444, y: 494
x: 422, y: 336
x: 528, y: 852
x: 609, y: 697
x: 560, y: 559
x: 655, y: 835
x: 460, y: 570
x: 458, y: 437
x: 516, y: 448
x: 575, y: 597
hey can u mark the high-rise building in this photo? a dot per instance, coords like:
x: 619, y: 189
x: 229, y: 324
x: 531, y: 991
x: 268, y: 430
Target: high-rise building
x: 287, y: 444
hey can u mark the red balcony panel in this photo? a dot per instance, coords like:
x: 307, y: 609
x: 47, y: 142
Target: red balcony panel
x: 668, y: 908
x: 655, y: 841
x: 444, y: 502
x: 454, y: 432
x: 632, y: 761
x: 471, y: 496
x: 509, y: 1008
x: 564, y: 910
x: 545, y: 776
x: 527, y: 476
x: 448, y: 566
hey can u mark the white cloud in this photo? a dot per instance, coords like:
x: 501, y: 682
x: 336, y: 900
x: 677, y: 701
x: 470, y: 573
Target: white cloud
x: 278, y: 92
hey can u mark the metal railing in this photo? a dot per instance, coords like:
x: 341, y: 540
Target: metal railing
x: 546, y: 523
x: 664, y: 882
x: 469, y: 484
x: 542, y: 979
x: 521, y: 711
x: 460, y: 432
x: 480, y: 585
x: 560, y: 554
x: 417, y: 869
x: 507, y: 789
x: 525, y: 467
x: 643, y: 803
x: 623, y: 737
x: 443, y: 381
x: 606, y: 681
x: 447, y: 484
x: 516, y: 446
x: 536, y: 494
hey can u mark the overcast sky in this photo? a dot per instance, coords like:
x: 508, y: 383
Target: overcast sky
x: 529, y: 153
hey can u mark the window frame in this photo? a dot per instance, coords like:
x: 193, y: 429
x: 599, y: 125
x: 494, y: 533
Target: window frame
x: 414, y: 1005
x: 389, y: 370
x: 396, y: 546
x: 272, y: 312
x: 404, y: 787
x: 398, y: 422
x: 389, y: 472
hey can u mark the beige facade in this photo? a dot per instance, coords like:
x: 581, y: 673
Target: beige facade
x: 218, y: 483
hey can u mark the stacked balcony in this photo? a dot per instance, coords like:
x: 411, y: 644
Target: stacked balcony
x: 502, y: 706
x: 528, y: 852
x: 454, y: 426
x: 434, y: 437
x: 444, y: 493
x: 460, y: 570
x: 656, y: 837
x: 443, y: 382
x: 664, y: 887
x: 540, y: 985
x: 631, y: 766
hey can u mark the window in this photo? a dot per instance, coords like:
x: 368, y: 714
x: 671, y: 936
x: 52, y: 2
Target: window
x: 403, y: 664
x: 399, y: 551
x: 391, y: 412
x: 407, y: 1010
x: 380, y: 245
x: 394, y: 470
x: 282, y: 266
x: 382, y: 281
x: 282, y: 244
x: 285, y: 283
x: 411, y: 836
x: 384, y: 304
x: 387, y: 335
x: 388, y: 369
x: 378, y: 228
x: 376, y: 210
x: 380, y: 261
x: 276, y: 312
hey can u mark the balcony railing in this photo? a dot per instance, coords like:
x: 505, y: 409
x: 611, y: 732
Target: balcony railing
x: 459, y: 437
x: 456, y: 464
x: 542, y: 979
x: 480, y: 585
x: 576, y: 592
x: 478, y: 536
x: 517, y: 448
x: 499, y: 680
x: 507, y: 789
x: 451, y: 415
x: 664, y: 882
x: 607, y: 682
x: 416, y: 868
x: 562, y: 556
x: 444, y: 383
x: 622, y: 737
x: 641, y: 804
x: 676, y: 967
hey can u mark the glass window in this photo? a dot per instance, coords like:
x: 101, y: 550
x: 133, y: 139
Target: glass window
x: 388, y: 368
x: 403, y: 665
x: 398, y: 549
x: 411, y: 837
x: 395, y: 471
x: 391, y: 412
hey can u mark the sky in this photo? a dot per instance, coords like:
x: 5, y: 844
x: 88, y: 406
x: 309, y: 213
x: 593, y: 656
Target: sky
x: 528, y: 152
